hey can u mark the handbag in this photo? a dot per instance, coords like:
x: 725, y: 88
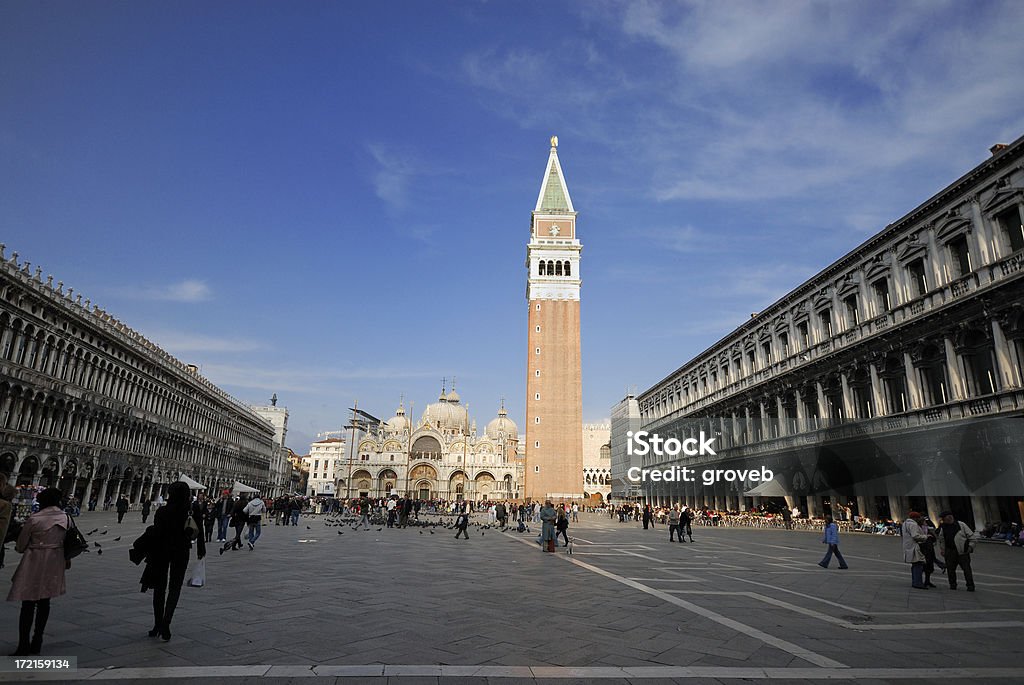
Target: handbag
x: 191, y: 529
x: 74, y: 541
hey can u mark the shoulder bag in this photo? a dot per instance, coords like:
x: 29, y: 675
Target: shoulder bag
x: 74, y: 541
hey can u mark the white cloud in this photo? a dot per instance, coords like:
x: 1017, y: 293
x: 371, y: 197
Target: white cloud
x: 391, y: 178
x: 188, y: 290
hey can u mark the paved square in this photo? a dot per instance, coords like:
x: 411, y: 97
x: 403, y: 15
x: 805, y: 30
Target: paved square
x: 322, y: 602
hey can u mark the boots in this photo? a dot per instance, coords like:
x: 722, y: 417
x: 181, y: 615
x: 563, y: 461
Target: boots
x: 551, y: 546
x: 37, y: 644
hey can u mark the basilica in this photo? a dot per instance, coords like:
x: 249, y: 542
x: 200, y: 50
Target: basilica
x: 441, y: 456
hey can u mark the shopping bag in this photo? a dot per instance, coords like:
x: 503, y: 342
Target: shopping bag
x: 198, y: 576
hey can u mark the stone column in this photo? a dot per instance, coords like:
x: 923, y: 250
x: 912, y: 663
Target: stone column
x: 914, y: 400
x: 877, y: 397
x: 866, y: 507
x: 899, y: 507
x: 87, y: 494
x: 848, y: 413
x: 936, y: 504
x: 986, y: 240
x: 1008, y: 375
x: 813, y: 506
x: 822, y: 404
x: 957, y: 390
x: 801, y: 415
x: 982, y: 508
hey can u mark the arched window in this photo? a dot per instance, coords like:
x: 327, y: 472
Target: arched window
x: 558, y: 268
x: 568, y: 270
x: 543, y: 268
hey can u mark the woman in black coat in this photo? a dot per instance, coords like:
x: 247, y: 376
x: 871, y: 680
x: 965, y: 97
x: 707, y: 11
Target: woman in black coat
x: 168, y: 554
x: 238, y: 521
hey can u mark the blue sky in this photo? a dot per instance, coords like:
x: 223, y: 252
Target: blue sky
x: 331, y: 200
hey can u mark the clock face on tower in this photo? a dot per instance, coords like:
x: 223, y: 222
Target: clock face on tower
x: 555, y: 230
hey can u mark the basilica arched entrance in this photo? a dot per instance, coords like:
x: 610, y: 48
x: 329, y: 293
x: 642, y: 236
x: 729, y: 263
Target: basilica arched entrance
x: 485, y: 486
x: 457, y: 486
x: 363, y: 482
x: 386, y: 482
x: 424, y: 481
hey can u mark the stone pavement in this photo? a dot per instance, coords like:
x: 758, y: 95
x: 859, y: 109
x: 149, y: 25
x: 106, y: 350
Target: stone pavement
x: 409, y: 607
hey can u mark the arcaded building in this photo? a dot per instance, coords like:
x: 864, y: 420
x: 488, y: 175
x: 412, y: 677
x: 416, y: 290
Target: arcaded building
x: 554, y: 395
x: 889, y: 381
x: 91, y: 406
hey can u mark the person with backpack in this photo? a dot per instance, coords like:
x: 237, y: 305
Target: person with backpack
x: 254, y: 511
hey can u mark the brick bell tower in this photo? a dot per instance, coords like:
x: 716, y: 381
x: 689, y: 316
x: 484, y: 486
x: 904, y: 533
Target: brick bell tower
x: 554, y: 398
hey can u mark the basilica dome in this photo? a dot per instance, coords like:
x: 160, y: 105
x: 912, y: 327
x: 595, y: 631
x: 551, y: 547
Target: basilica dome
x: 399, y: 422
x: 501, y: 426
x: 447, y: 414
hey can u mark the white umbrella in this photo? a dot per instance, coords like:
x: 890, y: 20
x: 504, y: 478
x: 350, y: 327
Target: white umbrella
x: 769, y: 488
x: 192, y: 485
x: 241, y: 487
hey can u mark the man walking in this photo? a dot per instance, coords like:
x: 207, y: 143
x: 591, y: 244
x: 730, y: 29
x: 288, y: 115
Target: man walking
x: 913, y: 536
x: 146, y: 504
x: 956, y: 542
x: 122, y: 507
x: 831, y: 538
x: 254, y: 511
x: 222, y: 513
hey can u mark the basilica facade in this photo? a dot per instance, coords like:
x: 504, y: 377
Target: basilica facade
x: 441, y: 456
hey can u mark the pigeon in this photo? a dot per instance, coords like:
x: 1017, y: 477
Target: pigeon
x: 308, y: 528
x: 104, y: 532
x: 117, y: 539
x: 431, y: 532
x: 379, y: 529
x: 340, y: 533
x: 92, y: 531
x: 95, y: 544
x: 99, y: 551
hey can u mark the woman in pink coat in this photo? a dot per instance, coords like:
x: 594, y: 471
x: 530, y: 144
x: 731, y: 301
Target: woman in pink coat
x: 40, y: 574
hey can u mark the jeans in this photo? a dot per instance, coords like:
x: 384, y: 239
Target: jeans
x: 674, y: 529
x: 917, y: 574
x: 222, y: 527
x: 833, y: 549
x: 295, y: 517
x: 254, y: 532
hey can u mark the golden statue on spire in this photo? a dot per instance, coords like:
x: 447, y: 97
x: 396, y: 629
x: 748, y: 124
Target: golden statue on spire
x: 554, y: 141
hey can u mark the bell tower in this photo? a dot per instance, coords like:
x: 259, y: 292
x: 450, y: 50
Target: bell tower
x: 554, y: 398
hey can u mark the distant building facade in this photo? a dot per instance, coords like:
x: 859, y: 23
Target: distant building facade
x: 625, y: 418
x: 280, y: 467
x: 597, y: 475
x: 325, y: 462
x: 91, y: 406
x: 890, y: 380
